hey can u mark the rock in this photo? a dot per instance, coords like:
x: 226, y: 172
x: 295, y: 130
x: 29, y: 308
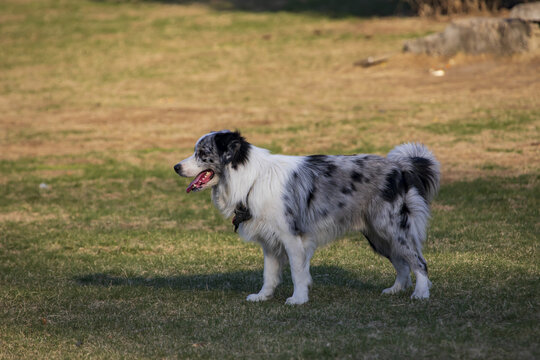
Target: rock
x: 527, y: 12
x: 478, y: 36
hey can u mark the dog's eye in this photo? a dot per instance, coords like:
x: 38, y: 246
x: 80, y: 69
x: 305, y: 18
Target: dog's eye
x: 202, y: 155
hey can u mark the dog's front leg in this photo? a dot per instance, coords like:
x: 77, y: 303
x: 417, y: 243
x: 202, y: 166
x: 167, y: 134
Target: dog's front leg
x: 273, y: 261
x: 299, y: 270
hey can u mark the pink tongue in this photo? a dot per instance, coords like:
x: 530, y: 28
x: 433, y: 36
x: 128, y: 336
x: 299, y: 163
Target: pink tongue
x: 195, y: 182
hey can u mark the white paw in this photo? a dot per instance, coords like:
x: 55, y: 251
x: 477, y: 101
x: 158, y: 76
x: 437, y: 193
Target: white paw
x: 297, y: 300
x: 398, y: 287
x: 393, y: 290
x: 420, y: 294
x: 258, y: 297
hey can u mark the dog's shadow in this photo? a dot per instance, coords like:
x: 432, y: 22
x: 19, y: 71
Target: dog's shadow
x: 240, y: 281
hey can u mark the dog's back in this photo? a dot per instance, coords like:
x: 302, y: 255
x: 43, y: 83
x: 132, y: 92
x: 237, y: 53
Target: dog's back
x: 329, y: 195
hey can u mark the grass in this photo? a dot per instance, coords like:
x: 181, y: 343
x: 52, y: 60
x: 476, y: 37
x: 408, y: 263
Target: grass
x: 126, y: 266
x: 485, y: 120
x: 112, y: 260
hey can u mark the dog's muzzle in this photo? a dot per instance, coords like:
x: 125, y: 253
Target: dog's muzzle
x: 178, y: 169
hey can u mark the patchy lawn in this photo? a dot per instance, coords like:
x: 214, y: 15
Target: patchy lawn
x: 112, y: 259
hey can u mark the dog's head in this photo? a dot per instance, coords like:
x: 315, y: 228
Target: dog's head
x: 215, y: 153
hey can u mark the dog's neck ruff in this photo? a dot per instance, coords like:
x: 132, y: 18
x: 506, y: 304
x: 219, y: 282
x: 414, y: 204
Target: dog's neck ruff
x: 257, y: 185
x: 236, y: 184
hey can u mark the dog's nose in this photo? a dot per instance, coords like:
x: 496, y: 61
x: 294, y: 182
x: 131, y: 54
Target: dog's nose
x: 178, y: 169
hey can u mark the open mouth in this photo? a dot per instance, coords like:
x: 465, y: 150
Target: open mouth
x: 200, y: 181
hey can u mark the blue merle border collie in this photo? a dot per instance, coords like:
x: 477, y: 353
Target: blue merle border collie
x: 291, y: 205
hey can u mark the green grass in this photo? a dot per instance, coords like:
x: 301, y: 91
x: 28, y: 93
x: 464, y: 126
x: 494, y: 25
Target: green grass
x: 507, y: 121
x: 117, y: 261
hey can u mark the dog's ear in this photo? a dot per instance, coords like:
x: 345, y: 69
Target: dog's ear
x: 232, y: 148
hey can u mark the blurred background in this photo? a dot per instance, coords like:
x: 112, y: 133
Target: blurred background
x: 152, y: 76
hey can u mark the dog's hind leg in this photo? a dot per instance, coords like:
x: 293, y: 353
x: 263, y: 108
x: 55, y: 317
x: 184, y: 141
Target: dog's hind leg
x: 419, y: 267
x: 403, y: 277
x: 411, y: 256
x: 405, y: 257
x: 273, y: 263
x: 388, y: 250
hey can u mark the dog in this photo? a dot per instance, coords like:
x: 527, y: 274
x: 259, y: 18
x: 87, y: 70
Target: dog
x: 291, y: 205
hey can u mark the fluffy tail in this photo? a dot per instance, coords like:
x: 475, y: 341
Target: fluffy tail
x: 422, y: 167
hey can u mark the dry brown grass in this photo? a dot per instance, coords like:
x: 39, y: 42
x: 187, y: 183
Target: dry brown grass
x: 277, y: 84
